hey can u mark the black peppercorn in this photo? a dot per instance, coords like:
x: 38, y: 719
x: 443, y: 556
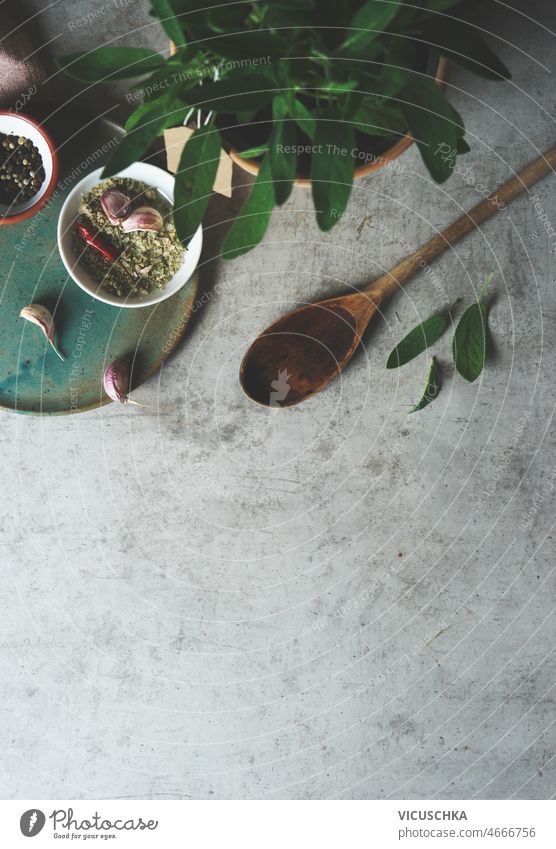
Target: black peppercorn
x: 21, y: 169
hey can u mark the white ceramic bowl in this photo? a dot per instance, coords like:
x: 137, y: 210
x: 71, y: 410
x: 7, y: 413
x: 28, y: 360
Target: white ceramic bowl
x: 20, y: 125
x: 164, y: 183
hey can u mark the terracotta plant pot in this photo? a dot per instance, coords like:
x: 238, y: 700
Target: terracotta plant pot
x: 382, y: 159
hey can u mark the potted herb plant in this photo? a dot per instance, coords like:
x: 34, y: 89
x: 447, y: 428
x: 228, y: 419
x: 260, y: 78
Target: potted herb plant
x: 294, y: 89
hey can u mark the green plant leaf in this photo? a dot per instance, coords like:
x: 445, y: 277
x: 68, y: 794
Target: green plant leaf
x: 340, y: 87
x: 225, y: 19
x: 250, y: 225
x: 246, y: 116
x: 376, y: 118
x: 247, y: 44
x: 462, y: 146
x: 433, y: 123
x: 367, y: 24
x: 162, y: 9
x: 194, y: 180
x: 432, y: 387
x: 351, y: 103
x: 253, y: 152
x: 470, y: 339
x: 469, y: 348
x: 110, y: 63
x: 173, y: 78
x: 277, y: 17
x: 418, y: 340
x: 235, y: 93
x: 465, y: 45
x: 281, y: 150
x: 391, y: 78
x: 304, y: 119
x: 155, y: 110
x: 332, y: 168
x: 148, y: 126
x: 414, y: 14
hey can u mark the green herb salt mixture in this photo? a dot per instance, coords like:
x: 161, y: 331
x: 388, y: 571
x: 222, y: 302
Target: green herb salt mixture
x: 126, y: 238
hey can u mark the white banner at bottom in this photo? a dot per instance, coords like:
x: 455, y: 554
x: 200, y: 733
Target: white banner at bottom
x: 279, y: 824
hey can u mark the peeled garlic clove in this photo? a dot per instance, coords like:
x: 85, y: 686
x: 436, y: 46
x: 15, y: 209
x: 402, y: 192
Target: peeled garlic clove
x: 115, y: 205
x: 116, y: 382
x: 143, y: 218
x: 39, y: 315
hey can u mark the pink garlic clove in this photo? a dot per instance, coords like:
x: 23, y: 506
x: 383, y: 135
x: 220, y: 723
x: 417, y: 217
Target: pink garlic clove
x: 143, y: 218
x: 116, y: 382
x: 115, y: 205
x: 39, y: 315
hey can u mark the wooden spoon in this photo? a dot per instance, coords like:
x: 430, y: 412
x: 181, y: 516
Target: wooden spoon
x: 302, y: 352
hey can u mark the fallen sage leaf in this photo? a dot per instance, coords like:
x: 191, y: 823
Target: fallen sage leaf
x: 418, y: 340
x: 116, y: 383
x: 470, y: 339
x: 432, y: 387
x: 39, y: 315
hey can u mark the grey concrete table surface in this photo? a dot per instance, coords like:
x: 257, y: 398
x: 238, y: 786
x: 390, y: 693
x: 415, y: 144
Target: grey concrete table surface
x: 204, y: 599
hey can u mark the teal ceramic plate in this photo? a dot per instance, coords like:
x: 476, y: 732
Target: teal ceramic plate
x: 90, y: 334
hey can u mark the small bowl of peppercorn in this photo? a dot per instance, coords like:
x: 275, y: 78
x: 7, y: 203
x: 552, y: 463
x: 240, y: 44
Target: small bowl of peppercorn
x: 28, y: 167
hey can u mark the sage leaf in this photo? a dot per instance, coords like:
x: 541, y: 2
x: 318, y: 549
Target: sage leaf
x: 223, y: 19
x: 110, y: 63
x: 171, y: 80
x: 194, y: 180
x: 162, y: 9
x: 149, y: 124
x: 155, y: 110
x: 464, y: 44
x: 376, y: 118
x: 246, y: 116
x: 249, y: 44
x: 433, y: 123
x: 250, y: 225
x: 253, y: 152
x: 417, y: 340
x: 331, y: 169
x: 470, y: 339
x: 334, y: 86
x: 432, y: 387
x: 235, y: 93
x: 304, y: 119
x: 281, y: 150
x: 462, y: 146
x: 368, y: 24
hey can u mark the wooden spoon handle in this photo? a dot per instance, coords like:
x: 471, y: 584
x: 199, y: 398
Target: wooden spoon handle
x: 407, y: 268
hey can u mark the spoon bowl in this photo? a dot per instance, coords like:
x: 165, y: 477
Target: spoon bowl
x: 302, y: 352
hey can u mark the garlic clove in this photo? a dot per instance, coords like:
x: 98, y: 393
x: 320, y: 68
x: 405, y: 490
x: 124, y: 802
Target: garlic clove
x: 115, y: 205
x: 116, y: 382
x: 143, y: 218
x: 39, y: 315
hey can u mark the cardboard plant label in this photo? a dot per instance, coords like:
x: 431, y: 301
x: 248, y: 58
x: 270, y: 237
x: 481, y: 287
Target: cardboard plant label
x: 175, y: 140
